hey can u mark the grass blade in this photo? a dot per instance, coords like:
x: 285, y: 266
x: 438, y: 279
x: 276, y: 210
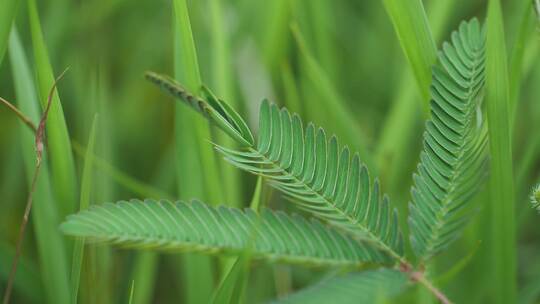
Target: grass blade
x: 222, y: 76
x: 331, y: 109
x: 414, y: 34
x: 144, y: 274
x: 86, y: 188
x: 50, y: 244
x: 63, y: 176
x: 501, y: 208
x: 195, y: 167
x: 7, y: 15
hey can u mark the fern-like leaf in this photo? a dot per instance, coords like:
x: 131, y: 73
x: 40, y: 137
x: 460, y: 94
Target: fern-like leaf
x: 320, y: 176
x: 215, y: 110
x: 453, y: 162
x: 197, y: 227
x: 369, y: 286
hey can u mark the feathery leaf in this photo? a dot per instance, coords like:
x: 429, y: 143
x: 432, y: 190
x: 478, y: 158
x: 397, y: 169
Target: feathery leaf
x: 454, y: 162
x: 197, y: 227
x: 214, y: 109
x: 362, y: 287
x: 320, y: 176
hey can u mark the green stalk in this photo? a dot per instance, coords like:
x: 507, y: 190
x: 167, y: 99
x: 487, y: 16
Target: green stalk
x: 63, y: 176
x: 196, y: 166
x: 50, y: 244
x: 222, y: 76
x: 275, y: 42
x: 516, y: 61
x: 501, y: 206
x: 7, y: 15
x: 412, y: 28
x: 145, y: 273
x: 84, y: 202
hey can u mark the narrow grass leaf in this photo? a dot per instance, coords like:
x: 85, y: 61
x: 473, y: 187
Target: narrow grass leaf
x: 84, y: 202
x: 196, y: 167
x: 50, y: 244
x: 7, y: 15
x: 63, y: 176
x: 414, y: 34
x: 501, y: 206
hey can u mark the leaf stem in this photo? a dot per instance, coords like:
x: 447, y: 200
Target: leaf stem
x: 418, y: 276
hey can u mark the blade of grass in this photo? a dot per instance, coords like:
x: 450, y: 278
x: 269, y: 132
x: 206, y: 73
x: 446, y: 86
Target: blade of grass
x: 27, y: 282
x: 290, y: 88
x: 51, y: 248
x: 63, y: 176
x: 145, y: 273
x: 232, y: 286
x: 7, y: 15
x: 222, y: 76
x: 331, y: 109
x: 414, y: 34
x: 275, y: 42
x: 122, y: 178
x: 516, y: 61
x: 196, y: 167
x: 84, y: 202
x: 501, y: 206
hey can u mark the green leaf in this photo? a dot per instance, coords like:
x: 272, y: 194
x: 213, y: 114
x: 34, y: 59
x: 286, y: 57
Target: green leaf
x: 501, y: 207
x: 214, y: 109
x: 362, y: 287
x: 45, y: 219
x: 412, y: 28
x: 86, y: 188
x: 197, y: 172
x: 196, y: 227
x: 7, y: 15
x: 320, y: 176
x: 234, y: 282
x: 454, y: 160
x: 63, y: 179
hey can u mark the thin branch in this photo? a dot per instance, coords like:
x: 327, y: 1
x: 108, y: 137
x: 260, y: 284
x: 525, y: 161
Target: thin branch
x: 39, y: 154
x: 20, y: 114
x: 418, y: 276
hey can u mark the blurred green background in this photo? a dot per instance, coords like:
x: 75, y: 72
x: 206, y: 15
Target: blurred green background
x: 337, y: 63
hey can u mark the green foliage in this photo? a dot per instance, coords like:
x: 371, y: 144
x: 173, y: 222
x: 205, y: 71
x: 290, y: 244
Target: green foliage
x: 320, y: 176
x: 194, y: 226
x: 362, y: 287
x: 454, y: 160
x: 501, y: 238
x: 45, y: 213
x: 7, y: 15
x: 214, y: 109
x: 412, y: 28
x: 62, y: 164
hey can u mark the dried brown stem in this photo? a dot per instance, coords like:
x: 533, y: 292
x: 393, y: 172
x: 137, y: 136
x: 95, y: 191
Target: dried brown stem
x: 20, y: 114
x: 39, y: 154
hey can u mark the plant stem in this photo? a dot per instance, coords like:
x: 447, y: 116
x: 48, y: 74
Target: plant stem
x: 20, y: 114
x: 420, y: 278
x: 39, y: 155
